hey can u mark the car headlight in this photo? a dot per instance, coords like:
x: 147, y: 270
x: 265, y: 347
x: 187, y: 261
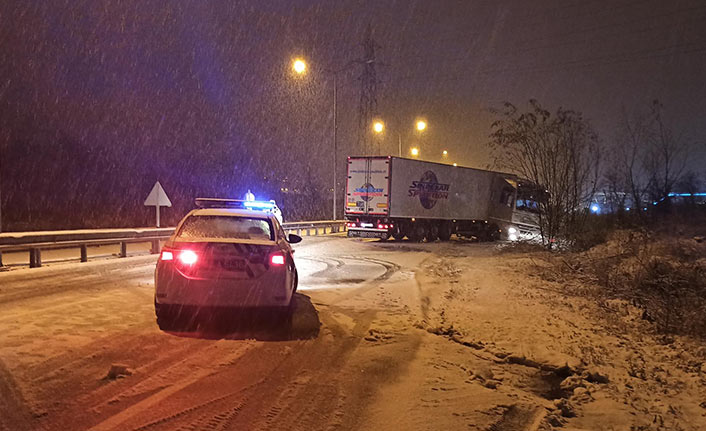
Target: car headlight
x: 512, y: 231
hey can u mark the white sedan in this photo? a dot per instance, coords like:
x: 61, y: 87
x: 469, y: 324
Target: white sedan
x: 225, y: 257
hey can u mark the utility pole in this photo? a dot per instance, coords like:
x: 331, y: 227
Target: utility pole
x: 368, y: 105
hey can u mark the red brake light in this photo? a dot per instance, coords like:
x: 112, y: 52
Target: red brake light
x: 277, y: 259
x: 167, y: 255
x: 188, y: 257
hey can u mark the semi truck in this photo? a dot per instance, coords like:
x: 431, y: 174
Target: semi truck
x: 389, y: 196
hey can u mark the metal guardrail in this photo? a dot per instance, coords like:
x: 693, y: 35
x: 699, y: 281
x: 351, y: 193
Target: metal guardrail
x: 35, y: 243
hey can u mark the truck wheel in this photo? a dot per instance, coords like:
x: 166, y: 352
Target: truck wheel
x: 397, y: 232
x: 417, y: 232
x: 494, y: 233
x: 445, y: 231
x: 432, y: 232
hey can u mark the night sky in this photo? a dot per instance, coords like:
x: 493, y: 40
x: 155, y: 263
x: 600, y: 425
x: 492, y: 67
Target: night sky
x: 100, y: 99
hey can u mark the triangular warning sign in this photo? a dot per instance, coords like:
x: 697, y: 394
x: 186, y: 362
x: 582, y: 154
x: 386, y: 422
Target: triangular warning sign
x: 158, y: 197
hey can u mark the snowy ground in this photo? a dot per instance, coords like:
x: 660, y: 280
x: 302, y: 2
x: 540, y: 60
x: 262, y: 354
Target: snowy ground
x: 386, y: 336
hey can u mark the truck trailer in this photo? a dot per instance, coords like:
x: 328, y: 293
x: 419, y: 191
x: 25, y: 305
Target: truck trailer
x: 389, y: 196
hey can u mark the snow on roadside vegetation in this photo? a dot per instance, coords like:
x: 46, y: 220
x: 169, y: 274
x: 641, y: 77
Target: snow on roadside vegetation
x: 563, y: 360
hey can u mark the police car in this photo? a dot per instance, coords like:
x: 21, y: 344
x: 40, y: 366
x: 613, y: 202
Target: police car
x: 226, y: 253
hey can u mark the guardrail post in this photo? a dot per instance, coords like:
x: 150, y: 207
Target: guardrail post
x: 155, y: 246
x: 84, y: 253
x: 35, y: 258
x: 299, y: 232
x: 123, y: 249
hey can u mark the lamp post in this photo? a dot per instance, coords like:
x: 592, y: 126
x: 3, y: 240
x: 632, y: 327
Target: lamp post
x: 300, y: 67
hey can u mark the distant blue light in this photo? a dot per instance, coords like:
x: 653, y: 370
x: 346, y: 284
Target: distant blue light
x: 627, y: 209
x: 686, y: 195
x: 595, y: 208
x: 258, y: 205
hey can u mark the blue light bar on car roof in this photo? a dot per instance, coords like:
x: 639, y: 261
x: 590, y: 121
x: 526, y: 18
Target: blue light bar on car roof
x: 260, y: 205
x: 234, y: 203
x: 219, y: 203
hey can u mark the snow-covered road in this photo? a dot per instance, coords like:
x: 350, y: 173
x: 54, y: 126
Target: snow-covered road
x: 386, y: 335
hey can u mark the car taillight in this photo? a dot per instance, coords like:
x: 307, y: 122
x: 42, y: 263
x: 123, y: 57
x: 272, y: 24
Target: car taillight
x: 277, y: 259
x: 167, y: 255
x: 188, y: 257
x: 379, y: 226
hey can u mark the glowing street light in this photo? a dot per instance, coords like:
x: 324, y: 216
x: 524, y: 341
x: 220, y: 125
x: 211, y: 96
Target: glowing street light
x: 421, y: 125
x: 455, y: 164
x: 445, y: 153
x: 378, y: 126
x: 414, y: 151
x: 299, y: 66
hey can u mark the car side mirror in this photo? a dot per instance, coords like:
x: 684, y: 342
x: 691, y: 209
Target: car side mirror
x: 293, y: 239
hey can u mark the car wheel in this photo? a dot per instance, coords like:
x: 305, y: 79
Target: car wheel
x: 165, y: 316
x: 283, y: 315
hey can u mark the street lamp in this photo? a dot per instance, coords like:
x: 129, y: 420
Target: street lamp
x: 379, y: 127
x: 299, y: 66
x: 445, y: 153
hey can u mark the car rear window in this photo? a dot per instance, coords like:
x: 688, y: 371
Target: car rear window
x: 226, y: 227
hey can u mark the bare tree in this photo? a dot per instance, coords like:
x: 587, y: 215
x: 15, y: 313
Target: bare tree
x: 558, y: 151
x: 634, y: 134
x: 665, y: 159
x: 690, y: 184
x: 651, y: 158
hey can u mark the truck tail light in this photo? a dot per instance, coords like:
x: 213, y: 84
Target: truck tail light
x: 277, y: 259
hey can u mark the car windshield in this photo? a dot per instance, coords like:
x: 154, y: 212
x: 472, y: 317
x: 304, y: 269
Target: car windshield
x: 226, y: 227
